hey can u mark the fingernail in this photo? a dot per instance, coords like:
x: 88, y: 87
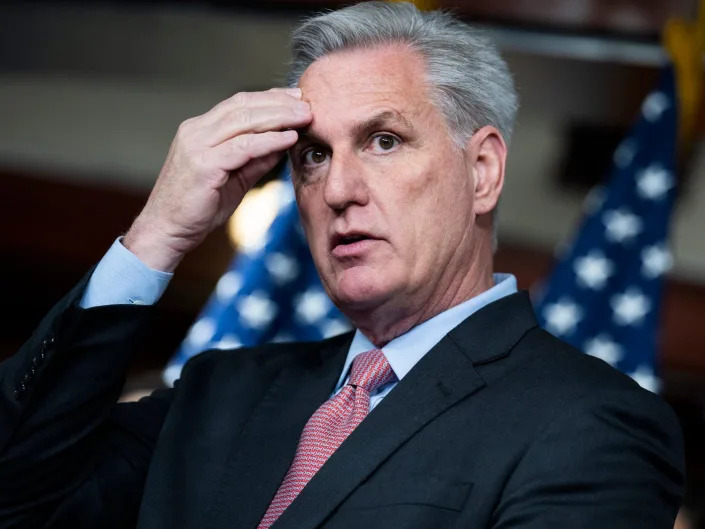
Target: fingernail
x: 295, y: 92
x: 302, y: 108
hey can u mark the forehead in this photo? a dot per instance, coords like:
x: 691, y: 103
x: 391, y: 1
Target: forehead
x: 357, y: 82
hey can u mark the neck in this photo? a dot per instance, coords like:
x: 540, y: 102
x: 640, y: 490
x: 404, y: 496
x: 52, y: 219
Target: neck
x: 384, y: 323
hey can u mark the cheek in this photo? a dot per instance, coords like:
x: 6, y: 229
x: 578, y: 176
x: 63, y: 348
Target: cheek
x: 441, y: 208
x: 313, y: 220
x: 408, y: 213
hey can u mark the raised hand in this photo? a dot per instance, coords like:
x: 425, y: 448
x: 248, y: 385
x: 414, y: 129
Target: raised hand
x: 213, y: 161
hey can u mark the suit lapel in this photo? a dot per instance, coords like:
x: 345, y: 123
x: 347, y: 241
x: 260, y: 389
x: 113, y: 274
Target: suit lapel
x: 421, y: 396
x: 267, y: 445
x: 443, y: 377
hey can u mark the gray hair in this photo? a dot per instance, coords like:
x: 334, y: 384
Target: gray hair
x: 469, y: 82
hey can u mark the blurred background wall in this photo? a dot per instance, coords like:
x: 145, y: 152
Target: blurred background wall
x: 91, y: 94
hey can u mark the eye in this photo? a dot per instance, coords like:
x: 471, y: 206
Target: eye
x: 384, y: 142
x: 314, y: 156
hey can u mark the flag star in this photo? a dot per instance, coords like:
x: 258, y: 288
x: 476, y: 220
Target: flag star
x: 644, y: 376
x: 312, y: 305
x: 562, y: 317
x: 227, y: 286
x: 201, y: 331
x: 334, y: 327
x: 630, y: 307
x: 655, y: 260
x: 624, y: 155
x: 593, y: 270
x: 654, y: 105
x: 604, y: 348
x: 283, y: 268
x: 621, y: 225
x: 653, y: 182
x: 257, y: 310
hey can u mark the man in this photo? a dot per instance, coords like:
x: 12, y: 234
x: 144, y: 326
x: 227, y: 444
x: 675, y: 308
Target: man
x: 448, y: 407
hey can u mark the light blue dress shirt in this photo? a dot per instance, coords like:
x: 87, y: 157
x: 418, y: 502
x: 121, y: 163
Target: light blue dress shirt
x: 121, y: 278
x: 404, y: 351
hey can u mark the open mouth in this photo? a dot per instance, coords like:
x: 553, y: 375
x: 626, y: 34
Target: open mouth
x: 351, y: 239
x: 346, y: 240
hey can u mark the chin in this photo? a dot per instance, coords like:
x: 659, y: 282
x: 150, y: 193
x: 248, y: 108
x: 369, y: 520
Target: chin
x: 355, y: 290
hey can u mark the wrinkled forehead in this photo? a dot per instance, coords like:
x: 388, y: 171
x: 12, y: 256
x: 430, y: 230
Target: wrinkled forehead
x: 352, y: 85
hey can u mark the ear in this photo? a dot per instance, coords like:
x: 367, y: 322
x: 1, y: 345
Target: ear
x: 487, y: 155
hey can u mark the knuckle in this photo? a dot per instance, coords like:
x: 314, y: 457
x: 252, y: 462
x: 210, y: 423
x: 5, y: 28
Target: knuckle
x: 241, y: 116
x: 243, y: 143
x: 241, y: 99
x: 185, y: 128
x: 276, y: 137
x: 187, y: 124
x: 284, y: 112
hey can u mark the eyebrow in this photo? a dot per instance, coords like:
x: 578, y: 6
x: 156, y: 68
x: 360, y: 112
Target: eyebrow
x: 375, y: 122
x: 363, y: 128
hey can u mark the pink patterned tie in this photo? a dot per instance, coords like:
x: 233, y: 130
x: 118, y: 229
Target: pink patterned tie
x: 328, y: 427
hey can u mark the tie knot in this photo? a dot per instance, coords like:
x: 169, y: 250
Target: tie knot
x: 371, y: 370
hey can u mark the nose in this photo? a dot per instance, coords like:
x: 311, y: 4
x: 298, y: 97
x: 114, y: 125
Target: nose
x: 345, y: 183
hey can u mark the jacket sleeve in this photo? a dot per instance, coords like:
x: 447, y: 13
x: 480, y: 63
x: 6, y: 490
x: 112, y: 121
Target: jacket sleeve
x: 615, y: 462
x: 69, y: 455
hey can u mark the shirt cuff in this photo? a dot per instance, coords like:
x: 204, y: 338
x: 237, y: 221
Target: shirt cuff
x: 122, y: 279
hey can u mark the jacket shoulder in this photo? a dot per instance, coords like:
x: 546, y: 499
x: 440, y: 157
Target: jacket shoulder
x: 541, y: 350
x: 559, y: 375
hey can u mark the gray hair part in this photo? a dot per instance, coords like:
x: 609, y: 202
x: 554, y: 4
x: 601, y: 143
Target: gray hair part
x: 469, y: 82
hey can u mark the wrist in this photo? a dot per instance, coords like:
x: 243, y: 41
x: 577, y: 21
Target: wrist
x: 153, y: 246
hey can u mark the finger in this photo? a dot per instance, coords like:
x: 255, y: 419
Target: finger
x: 243, y: 179
x: 292, y: 91
x: 257, y: 168
x: 233, y: 154
x: 260, y: 119
x: 251, y: 99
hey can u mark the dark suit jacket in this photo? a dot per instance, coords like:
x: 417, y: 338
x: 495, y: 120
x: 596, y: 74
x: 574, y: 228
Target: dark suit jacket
x: 500, y: 425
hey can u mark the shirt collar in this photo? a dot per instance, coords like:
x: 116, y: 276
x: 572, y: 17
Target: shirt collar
x: 404, y: 351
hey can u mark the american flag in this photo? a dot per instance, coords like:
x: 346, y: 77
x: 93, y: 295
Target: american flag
x: 271, y: 292
x: 604, y: 295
